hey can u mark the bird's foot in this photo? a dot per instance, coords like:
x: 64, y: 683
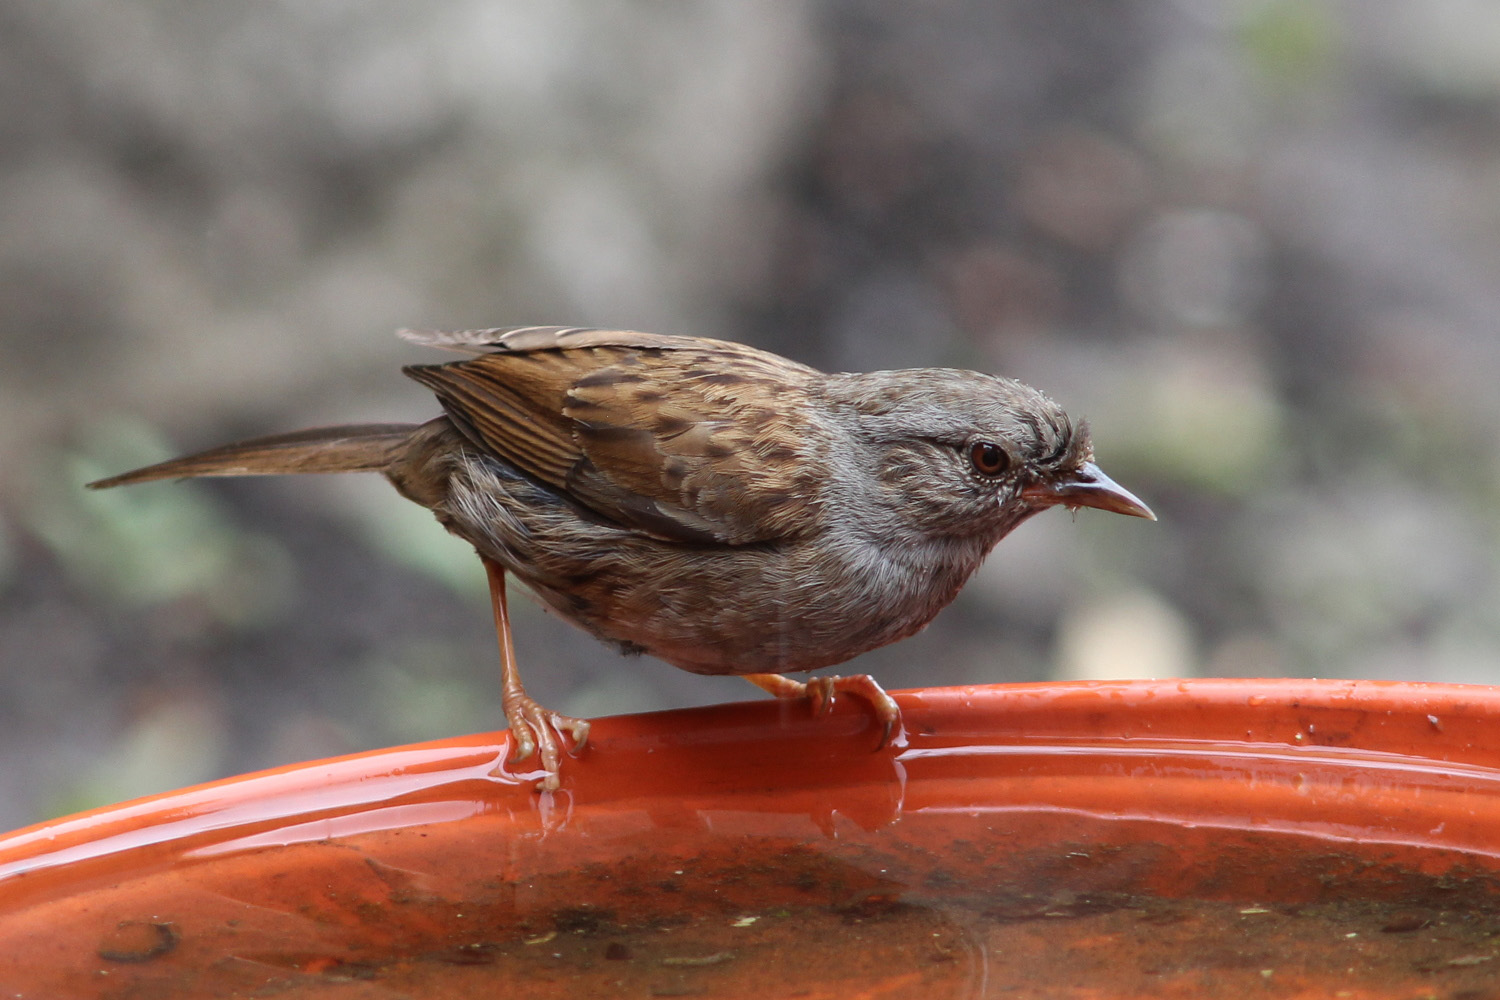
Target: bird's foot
x: 821, y: 692
x: 536, y: 729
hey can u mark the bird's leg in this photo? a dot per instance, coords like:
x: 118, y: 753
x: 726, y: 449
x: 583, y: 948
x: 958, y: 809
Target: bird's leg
x: 821, y: 691
x: 532, y: 727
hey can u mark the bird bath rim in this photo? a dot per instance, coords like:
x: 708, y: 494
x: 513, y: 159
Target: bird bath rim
x: 1055, y: 799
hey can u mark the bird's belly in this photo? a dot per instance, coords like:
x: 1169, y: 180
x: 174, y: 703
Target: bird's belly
x: 710, y: 609
x: 752, y: 610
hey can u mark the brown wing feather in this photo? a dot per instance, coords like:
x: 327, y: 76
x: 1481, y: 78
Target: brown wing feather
x: 521, y: 339
x: 689, y: 439
x: 507, y: 413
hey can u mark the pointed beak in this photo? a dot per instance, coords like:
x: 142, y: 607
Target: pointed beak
x: 1088, y: 487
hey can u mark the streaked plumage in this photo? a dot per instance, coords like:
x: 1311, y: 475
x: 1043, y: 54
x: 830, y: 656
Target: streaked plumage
x: 722, y: 508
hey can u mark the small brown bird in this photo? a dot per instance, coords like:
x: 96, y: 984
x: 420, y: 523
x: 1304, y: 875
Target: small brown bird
x: 722, y: 508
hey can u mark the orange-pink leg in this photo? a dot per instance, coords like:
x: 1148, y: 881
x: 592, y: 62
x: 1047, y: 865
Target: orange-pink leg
x: 532, y: 727
x: 821, y: 692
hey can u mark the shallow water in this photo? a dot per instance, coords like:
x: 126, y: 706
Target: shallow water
x: 1003, y: 915
x: 1067, y: 945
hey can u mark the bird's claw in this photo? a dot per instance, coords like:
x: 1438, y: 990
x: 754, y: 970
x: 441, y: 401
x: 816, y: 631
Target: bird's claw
x: 887, y: 712
x: 534, y: 729
x: 821, y: 692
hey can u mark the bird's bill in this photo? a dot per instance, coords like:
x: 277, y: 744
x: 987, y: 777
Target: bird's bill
x: 1088, y: 487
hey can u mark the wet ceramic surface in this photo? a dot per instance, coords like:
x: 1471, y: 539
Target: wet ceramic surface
x: 1297, y: 838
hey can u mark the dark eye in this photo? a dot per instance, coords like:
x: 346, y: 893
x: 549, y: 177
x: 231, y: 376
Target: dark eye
x: 988, y: 458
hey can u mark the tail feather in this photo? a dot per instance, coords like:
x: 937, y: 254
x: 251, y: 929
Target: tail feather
x: 351, y: 448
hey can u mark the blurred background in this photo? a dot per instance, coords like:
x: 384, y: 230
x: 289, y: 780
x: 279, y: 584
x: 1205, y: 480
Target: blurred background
x: 1255, y: 242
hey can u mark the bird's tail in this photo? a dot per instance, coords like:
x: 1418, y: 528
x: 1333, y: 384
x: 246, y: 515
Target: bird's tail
x: 352, y: 448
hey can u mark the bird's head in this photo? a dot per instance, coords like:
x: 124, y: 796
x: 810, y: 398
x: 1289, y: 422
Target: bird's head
x: 961, y: 453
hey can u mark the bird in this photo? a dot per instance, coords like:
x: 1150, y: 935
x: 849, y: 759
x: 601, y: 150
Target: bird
x: 717, y: 506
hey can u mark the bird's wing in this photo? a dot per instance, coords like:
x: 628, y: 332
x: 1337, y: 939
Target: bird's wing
x: 687, y: 439
x: 521, y: 339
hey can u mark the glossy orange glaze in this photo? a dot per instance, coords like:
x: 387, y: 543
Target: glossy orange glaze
x: 1110, y: 839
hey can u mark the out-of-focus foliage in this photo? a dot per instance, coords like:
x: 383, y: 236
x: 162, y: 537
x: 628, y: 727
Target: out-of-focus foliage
x: 1255, y: 242
x: 154, y: 545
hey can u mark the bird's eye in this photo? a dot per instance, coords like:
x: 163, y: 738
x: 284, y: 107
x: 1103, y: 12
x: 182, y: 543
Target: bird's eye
x: 988, y: 458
